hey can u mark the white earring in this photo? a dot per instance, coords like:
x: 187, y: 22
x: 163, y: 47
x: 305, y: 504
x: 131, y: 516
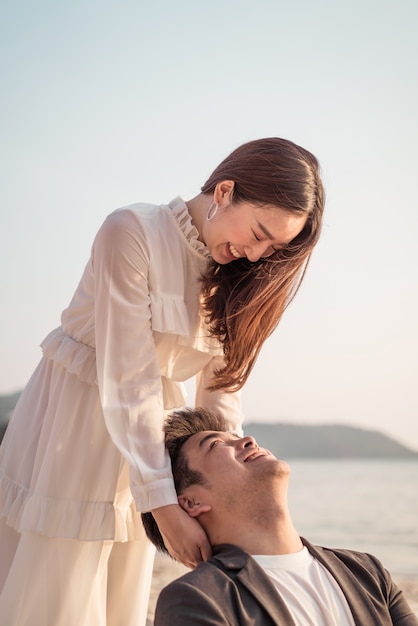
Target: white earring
x: 212, y: 211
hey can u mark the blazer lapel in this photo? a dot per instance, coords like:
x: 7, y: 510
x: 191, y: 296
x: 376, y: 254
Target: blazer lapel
x: 253, y: 577
x: 258, y: 583
x: 363, y: 610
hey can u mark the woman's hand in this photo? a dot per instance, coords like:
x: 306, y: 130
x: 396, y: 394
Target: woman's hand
x: 184, y: 537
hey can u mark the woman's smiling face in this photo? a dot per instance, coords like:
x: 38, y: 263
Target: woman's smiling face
x: 244, y: 230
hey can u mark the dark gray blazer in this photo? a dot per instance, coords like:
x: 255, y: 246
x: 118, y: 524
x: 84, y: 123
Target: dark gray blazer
x: 232, y: 589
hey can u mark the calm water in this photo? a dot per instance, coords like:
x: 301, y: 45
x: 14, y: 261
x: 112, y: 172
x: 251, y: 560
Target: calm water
x: 370, y: 506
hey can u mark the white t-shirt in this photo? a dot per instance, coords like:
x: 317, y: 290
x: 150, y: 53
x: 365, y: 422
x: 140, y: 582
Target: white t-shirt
x: 311, y: 594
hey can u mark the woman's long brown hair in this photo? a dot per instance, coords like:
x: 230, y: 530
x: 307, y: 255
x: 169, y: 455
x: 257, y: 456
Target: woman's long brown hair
x: 243, y: 301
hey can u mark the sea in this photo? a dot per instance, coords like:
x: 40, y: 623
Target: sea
x: 366, y: 505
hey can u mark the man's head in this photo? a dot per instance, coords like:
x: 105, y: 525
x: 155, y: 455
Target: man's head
x: 218, y: 476
x: 178, y: 428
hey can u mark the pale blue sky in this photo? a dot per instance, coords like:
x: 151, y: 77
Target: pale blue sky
x: 108, y: 103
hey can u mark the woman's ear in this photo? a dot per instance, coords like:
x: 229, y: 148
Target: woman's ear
x: 192, y: 508
x: 223, y: 193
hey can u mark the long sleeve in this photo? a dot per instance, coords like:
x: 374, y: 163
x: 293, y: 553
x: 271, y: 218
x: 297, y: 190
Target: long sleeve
x: 400, y: 611
x: 227, y: 404
x: 128, y: 374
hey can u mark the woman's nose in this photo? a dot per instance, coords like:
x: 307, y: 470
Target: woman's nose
x: 253, y: 253
x: 258, y: 250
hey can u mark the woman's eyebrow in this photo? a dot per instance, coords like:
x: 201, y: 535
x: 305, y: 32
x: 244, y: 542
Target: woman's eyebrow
x: 265, y: 231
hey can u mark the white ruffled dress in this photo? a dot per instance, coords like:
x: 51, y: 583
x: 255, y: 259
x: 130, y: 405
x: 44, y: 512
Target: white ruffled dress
x: 84, y: 449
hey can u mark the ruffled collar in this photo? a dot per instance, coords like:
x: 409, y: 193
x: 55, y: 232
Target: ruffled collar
x: 182, y: 216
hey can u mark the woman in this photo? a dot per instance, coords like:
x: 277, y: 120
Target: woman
x: 192, y: 288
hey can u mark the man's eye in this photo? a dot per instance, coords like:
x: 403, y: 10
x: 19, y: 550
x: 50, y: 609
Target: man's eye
x: 214, y: 443
x: 256, y: 236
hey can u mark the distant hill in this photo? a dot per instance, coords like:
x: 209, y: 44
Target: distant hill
x: 7, y: 404
x: 297, y: 440
x: 327, y: 441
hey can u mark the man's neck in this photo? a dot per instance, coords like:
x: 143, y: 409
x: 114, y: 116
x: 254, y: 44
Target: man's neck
x: 268, y: 537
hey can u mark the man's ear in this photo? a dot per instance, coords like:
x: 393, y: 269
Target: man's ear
x: 193, y: 508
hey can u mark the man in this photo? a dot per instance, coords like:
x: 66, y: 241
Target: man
x: 261, y: 572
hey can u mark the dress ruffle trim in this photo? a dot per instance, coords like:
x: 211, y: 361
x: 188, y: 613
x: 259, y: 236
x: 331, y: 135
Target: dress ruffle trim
x: 86, y: 521
x: 77, y: 358
x: 169, y: 314
x: 180, y: 212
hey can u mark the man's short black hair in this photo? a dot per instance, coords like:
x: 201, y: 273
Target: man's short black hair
x: 178, y: 428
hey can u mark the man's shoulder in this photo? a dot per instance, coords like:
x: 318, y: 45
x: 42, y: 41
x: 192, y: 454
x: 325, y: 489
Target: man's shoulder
x: 227, y: 559
x: 365, y: 568
x: 344, y: 554
x: 205, y: 591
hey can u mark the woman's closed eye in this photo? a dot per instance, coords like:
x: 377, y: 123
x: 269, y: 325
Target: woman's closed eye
x: 256, y: 237
x: 271, y: 249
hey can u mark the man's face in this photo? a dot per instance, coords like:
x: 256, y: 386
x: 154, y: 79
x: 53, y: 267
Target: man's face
x: 235, y: 468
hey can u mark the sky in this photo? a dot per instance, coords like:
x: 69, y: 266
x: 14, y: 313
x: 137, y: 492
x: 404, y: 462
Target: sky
x: 108, y: 103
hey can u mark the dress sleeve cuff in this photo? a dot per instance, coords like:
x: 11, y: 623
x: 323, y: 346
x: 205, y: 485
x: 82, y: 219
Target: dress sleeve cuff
x: 154, y: 495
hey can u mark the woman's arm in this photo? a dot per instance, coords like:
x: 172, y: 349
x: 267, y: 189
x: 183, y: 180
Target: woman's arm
x: 128, y: 374
x: 226, y: 404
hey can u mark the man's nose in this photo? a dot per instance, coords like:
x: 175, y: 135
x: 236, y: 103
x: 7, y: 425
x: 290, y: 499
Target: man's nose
x: 249, y: 442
